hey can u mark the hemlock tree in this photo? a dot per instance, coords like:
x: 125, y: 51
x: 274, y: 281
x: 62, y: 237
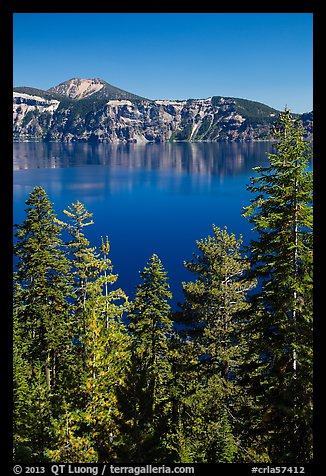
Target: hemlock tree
x: 81, y: 257
x: 214, y: 307
x: 150, y: 326
x: 281, y: 330
x: 42, y: 319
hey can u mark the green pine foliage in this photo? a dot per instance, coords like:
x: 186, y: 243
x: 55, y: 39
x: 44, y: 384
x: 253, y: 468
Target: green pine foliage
x: 227, y: 378
x: 216, y: 299
x: 42, y: 320
x: 213, y: 314
x: 281, y: 325
x: 150, y: 326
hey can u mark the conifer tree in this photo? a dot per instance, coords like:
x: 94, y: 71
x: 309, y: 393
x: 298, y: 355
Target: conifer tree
x: 213, y: 312
x: 90, y: 431
x: 150, y: 326
x: 81, y: 257
x: 42, y: 320
x: 91, y: 275
x: 280, y: 330
x: 31, y: 402
x: 216, y: 299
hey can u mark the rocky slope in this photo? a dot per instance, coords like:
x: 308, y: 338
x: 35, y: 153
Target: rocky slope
x: 93, y: 110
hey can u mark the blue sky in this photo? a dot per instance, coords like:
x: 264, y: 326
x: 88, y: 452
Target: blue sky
x: 265, y: 57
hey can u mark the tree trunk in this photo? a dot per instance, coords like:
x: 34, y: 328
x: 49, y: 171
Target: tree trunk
x: 48, y: 371
x: 295, y: 270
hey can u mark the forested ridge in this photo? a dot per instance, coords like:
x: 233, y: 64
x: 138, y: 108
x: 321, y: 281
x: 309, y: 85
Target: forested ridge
x: 100, y: 376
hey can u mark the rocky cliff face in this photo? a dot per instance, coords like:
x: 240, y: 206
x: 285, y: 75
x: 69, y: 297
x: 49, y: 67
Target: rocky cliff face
x: 93, y: 110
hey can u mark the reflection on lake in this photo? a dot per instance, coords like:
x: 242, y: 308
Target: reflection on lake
x: 195, y: 158
x: 147, y: 197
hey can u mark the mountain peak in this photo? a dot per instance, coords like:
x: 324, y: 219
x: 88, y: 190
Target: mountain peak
x: 78, y: 88
x: 82, y: 88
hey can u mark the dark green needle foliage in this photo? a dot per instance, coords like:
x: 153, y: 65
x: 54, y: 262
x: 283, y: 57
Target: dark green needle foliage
x: 150, y: 327
x: 217, y: 297
x: 41, y: 322
x: 281, y: 327
x: 214, y: 307
x: 82, y: 258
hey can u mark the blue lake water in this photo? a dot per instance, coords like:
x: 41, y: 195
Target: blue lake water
x: 148, y: 198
